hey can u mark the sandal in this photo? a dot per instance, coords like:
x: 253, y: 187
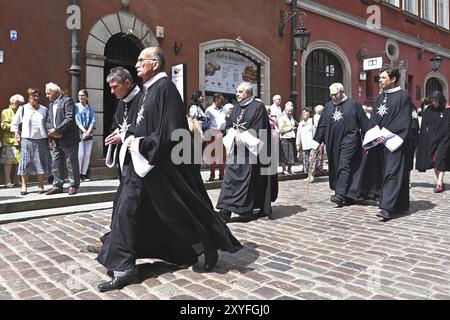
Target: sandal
x: 439, y: 188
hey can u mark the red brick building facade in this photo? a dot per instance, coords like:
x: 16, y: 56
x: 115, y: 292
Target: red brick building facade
x: 240, y: 37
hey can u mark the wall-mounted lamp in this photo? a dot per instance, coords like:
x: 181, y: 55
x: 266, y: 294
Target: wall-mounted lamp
x: 177, y: 47
x: 436, y: 60
x: 302, y: 35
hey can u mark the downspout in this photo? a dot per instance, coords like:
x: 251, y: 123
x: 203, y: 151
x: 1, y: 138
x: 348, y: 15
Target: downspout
x: 75, y: 69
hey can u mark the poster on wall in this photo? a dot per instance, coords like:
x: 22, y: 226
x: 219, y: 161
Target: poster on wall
x: 224, y: 70
x: 179, y: 79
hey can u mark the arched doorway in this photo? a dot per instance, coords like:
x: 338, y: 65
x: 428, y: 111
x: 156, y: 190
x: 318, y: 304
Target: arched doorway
x: 322, y: 69
x: 100, y: 59
x: 433, y: 84
x: 120, y: 50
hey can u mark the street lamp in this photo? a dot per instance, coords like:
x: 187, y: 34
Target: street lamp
x: 436, y: 62
x: 300, y: 39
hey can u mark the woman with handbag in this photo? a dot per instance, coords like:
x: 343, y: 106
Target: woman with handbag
x: 85, y: 119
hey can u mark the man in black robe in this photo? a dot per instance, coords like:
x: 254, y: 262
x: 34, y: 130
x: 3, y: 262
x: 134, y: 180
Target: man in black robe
x: 163, y: 210
x: 433, y: 149
x: 248, y: 183
x: 340, y: 127
x: 386, y: 172
x: 122, y: 86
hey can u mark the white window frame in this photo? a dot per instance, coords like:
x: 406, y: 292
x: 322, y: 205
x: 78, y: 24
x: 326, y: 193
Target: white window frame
x: 442, y: 14
x: 414, y: 6
x: 429, y: 4
x: 393, y: 2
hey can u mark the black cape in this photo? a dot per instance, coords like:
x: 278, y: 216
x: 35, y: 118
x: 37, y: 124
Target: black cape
x: 434, y: 140
x: 340, y: 128
x: 386, y: 173
x: 167, y: 214
x: 248, y: 184
x: 414, y: 138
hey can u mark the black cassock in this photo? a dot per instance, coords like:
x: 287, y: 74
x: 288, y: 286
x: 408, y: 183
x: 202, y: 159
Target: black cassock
x: 386, y: 173
x: 124, y: 117
x: 434, y: 140
x: 340, y: 128
x: 247, y: 184
x: 167, y: 214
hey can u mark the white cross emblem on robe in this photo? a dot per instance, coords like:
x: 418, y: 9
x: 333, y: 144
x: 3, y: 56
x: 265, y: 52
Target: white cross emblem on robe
x: 382, y: 110
x: 414, y: 114
x: 124, y: 126
x: 337, y: 115
x: 140, y: 115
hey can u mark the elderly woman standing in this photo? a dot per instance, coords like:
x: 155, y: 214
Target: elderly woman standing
x: 85, y: 119
x: 10, y: 151
x: 34, y: 150
x: 288, y: 126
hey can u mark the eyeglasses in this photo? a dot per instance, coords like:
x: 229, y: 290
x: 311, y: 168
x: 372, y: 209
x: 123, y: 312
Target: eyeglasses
x: 140, y: 60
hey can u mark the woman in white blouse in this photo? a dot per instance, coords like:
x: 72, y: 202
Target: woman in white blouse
x: 287, y: 125
x: 29, y: 126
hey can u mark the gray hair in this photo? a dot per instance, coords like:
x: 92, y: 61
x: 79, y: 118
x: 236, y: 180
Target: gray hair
x: 337, y: 87
x: 161, y: 56
x: 15, y: 98
x: 119, y: 74
x: 289, y: 105
x: 247, y: 87
x: 53, y: 87
x: 276, y: 97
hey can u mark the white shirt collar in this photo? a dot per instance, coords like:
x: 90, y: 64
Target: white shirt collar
x: 155, y: 78
x: 392, y: 90
x: 247, y: 101
x: 132, y: 94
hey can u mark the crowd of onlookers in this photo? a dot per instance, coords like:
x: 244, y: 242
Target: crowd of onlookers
x: 45, y: 141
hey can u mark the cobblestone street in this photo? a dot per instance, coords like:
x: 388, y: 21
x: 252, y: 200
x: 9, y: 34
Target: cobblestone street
x: 311, y: 250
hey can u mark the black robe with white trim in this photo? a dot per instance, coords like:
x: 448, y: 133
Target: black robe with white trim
x: 167, y: 214
x: 386, y: 173
x: 340, y: 127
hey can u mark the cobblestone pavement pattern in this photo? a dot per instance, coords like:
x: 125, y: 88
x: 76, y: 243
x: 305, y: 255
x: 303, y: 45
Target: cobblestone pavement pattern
x: 312, y: 250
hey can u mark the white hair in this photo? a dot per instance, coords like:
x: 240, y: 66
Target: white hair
x: 336, y: 87
x: 52, y: 87
x: 247, y: 87
x: 15, y: 98
x: 318, y: 108
x: 276, y: 97
x: 289, y: 105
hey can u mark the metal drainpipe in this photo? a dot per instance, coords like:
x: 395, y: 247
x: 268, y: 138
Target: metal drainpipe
x: 75, y: 69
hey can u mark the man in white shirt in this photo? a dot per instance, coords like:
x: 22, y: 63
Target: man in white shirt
x: 275, y: 108
x: 216, y: 115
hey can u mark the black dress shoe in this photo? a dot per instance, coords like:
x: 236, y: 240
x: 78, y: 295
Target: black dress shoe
x: 118, y: 283
x: 211, y: 258
x: 385, y: 215
x: 337, y: 200
x: 246, y: 217
x: 94, y: 248
x: 225, y: 215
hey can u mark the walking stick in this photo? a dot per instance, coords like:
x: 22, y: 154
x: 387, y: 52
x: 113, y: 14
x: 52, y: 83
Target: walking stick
x: 312, y: 169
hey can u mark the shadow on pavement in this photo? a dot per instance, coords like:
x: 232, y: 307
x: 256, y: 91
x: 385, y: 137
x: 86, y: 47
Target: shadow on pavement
x: 283, y: 211
x: 420, y: 205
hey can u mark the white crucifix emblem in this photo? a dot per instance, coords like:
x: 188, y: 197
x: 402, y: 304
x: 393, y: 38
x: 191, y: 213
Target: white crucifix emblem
x: 140, y: 115
x: 382, y: 110
x: 124, y: 126
x: 337, y: 115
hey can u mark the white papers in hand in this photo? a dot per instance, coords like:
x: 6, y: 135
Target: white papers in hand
x: 392, y: 141
x: 253, y: 144
x: 140, y: 163
x: 228, y: 140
